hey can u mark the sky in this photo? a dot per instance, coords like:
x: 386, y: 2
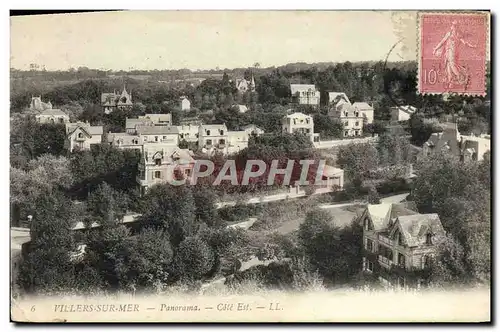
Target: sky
x: 200, y: 39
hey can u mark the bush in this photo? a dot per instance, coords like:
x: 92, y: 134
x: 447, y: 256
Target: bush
x: 239, y: 212
x: 393, y: 186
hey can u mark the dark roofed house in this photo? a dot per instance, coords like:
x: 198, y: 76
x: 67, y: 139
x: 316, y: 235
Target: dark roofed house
x: 111, y: 101
x: 399, y: 243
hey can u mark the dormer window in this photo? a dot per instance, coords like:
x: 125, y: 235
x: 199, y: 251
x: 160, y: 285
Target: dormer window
x: 158, y: 162
x: 428, y: 239
x: 208, y: 132
x: 80, y: 135
x: 222, y: 132
x: 400, y: 240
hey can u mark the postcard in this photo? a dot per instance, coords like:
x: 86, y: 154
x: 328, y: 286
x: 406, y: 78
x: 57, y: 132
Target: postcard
x: 251, y: 166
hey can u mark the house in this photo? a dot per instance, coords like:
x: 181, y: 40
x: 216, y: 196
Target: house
x: 185, y: 104
x: 350, y: 117
x: 111, y: 101
x: 188, y: 132
x: 132, y: 123
x: 305, y: 94
x: 402, y: 113
x: 241, y: 108
x: 334, y: 177
x: 244, y: 85
x: 168, y: 135
x: 213, y: 138
x: 237, y: 141
x: 399, y: 243
x: 147, y: 120
x: 465, y: 147
x: 52, y: 115
x: 82, y: 135
x: 161, y: 163
x: 158, y: 119
x: 125, y: 140
x: 298, y: 123
x: 473, y: 148
x: 37, y: 104
x: 252, y: 129
x: 365, y: 110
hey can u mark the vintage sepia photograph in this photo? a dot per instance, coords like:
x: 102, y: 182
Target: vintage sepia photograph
x: 250, y: 166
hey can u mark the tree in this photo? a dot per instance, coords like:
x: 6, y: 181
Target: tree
x: 373, y: 196
x: 193, y: 259
x: 147, y: 261
x: 43, y: 176
x: 48, y: 267
x: 171, y: 208
x: 457, y: 192
x: 205, y: 199
x: 357, y: 159
x: 107, y: 206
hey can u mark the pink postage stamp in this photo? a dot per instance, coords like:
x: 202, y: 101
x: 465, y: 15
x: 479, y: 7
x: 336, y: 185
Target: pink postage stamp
x: 452, y: 52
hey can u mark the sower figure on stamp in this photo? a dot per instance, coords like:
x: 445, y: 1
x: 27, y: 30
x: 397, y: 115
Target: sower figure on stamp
x: 450, y: 43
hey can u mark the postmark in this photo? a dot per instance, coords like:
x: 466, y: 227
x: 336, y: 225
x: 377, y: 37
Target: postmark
x: 452, y: 50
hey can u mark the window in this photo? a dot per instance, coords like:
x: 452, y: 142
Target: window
x: 209, y: 142
x: 356, y: 114
x: 222, y: 141
x: 222, y: 132
x: 307, y: 120
x: 187, y: 171
x: 145, y: 138
x: 158, y: 162
x: 357, y: 123
x: 156, y: 138
x: 346, y: 123
x: 157, y: 174
x: 401, y: 260
x: 346, y: 133
x: 369, y: 245
x: 428, y: 239
x: 369, y: 266
x: 400, y: 240
x: 367, y: 224
x: 52, y: 121
x: 181, y: 135
x: 427, y: 261
x: 208, y: 132
x: 80, y: 135
x: 308, y: 131
x: 164, y: 137
x: 61, y: 120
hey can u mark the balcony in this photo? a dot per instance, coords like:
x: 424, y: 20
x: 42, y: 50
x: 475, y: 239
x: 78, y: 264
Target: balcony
x: 385, y: 262
x: 385, y: 240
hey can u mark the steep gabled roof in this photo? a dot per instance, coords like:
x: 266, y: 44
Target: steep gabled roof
x: 415, y: 227
x: 379, y: 214
x: 333, y: 96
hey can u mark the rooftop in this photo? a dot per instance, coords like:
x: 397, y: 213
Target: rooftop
x: 157, y: 130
